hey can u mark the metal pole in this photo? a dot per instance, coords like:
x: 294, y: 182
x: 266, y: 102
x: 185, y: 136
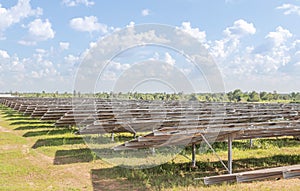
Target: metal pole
x: 251, y: 143
x: 193, y: 155
x: 153, y: 151
x: 230, y: 154
x: 112, y: 137
x: 209, y: 145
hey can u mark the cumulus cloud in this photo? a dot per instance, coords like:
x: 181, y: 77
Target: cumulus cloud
x: 108, y: 76
x: 88, y: 24
x: 64, y: 45
x: 41, y: 30
x: 194, y: 32
x: 169, y: 59
x: 240, y: 28
x: 145, y: 12
x: 38, y: 30
x: 279, y: 36
x: 276, y: 57
x: 278, y: 61
x: 70, y: 3
x: 16, y: 13
x: 131, y: 24
x: 93, y: 44
x: 42, y: 70
x: 71, y: 59
x: 289, y: 9
x: 118, y: 66
x: 27, y: 43
x: 221, y: 49
x: 4, y: 54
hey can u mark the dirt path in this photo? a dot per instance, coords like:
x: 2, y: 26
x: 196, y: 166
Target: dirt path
x: 2, y: 129
x: 62, y: 177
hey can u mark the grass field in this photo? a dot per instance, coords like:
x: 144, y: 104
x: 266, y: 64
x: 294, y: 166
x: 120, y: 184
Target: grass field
x: 37, y: 156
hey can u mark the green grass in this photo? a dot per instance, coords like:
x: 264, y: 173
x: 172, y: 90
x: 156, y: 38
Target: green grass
x: 35, y: 155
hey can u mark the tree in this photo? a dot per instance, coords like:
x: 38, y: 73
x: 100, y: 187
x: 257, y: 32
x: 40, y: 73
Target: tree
x: 269, y: 96
x: 263, y: 96
x: 253, y: 97
x: 237, y: 95
x: 275, y: 95
x: 294, y: 95
x: 230, y: 96
x: 193, y: 97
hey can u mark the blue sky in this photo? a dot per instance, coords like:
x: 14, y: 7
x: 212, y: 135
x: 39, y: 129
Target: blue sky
x: 256, y: 44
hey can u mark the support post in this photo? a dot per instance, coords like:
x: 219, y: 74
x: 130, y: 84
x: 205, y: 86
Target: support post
x: 193, y: 155
x: 251, y: 143
x: 153, y: 151
x: 230, y: 154
x: 112, y: 137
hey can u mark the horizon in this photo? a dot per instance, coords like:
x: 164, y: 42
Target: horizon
x: 183, y: 93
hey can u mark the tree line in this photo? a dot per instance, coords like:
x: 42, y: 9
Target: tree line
x: 232, y: 96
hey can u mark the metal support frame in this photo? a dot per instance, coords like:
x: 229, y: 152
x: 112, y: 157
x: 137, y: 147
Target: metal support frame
x: 112, y: 137
x: 193, y: 155
x: 152, y: 150
x: 132, y: 130
x: 251, y: 143
x: 209, y: 145
x: 230, y: 154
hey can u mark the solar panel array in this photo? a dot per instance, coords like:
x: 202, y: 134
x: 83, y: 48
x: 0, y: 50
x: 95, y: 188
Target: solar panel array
x: 165, y: 122
x: 172, y: 123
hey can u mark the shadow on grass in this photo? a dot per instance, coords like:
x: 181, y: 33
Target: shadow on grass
x: 30, y: 127
x: 12, y: 114
x: 58, y: 142
x: 48, y: 132
x: 74, y: 156
x: 27, y: 122
x: 87, y: 155
x: 17, y: 118
x: 107, y: 182
x: 172, y: 175
x: 257, y: 144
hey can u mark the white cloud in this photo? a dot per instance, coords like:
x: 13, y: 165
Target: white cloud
x: 27, y: 43
x: 41, y: 51
x: 71, y: 59
x: 16, y: 13
x: 186, y: 71
x: 118, y: 66
x: 4, y: 54
x: 108, y: 76
x: 40, y: 30
x: 289, y: 9
x: 240, y: 28
x: 131, y: 24
x: 17, y: 65
x: 88, y: 24
x: 64, y: 45
x: 194, y: 32
x: 70, y: 3
x: 169, y: 59
x: 93, y: 44
x: 40, y: 71
x: 221, y: 49
x: 278, y: 60
x: 145, y: 12
x: 279, y: 36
